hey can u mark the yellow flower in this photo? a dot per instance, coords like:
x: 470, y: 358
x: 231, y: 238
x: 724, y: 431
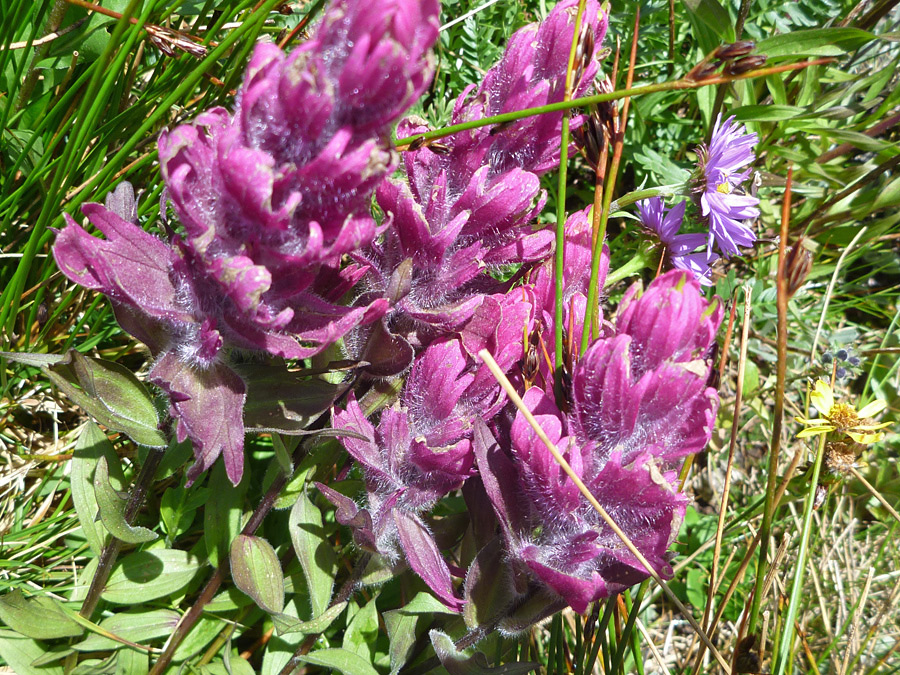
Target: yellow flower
x: 842, y: 417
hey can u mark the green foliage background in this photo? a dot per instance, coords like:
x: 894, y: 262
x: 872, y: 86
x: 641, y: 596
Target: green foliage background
x: 80, y: 112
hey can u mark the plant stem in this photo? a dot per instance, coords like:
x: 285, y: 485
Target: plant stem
x: 609, y: 187
x: 212, y: 585
x: 559, y: 259
x: 111, y: 550
x: 54, y: 21
x: 778, y: 412
x: 342, y: 596
x: 674, y: 85
x: 784, y: 652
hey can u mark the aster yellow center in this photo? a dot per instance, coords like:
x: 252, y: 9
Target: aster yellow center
x: 724, y: 188
x: 843, y: 416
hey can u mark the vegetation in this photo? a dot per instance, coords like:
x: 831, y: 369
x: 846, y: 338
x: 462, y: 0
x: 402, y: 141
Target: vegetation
x: 786, y: 560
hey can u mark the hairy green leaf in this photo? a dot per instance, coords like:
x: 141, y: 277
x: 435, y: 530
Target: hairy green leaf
x: 111, y: 394
x: 39, y: 617
x: 112, y: 509
x: 314, y: 552
x: 256, y: 570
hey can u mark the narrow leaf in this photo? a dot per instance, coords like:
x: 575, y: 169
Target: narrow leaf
x: 314, y: 552
x: 32, y: 359
x: 38, y: 617
x: 257, y: 572
x: 148, y: 575
x: 222, y: 514
x: 112, y: 509
x: 286, y: 624
x: 91, y: 446
x: 133, y: 627
x: 814, y: 42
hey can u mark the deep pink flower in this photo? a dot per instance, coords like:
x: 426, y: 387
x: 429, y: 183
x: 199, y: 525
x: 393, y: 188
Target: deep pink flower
x: 270, y: 199
x: 638, y: 401
x: 469, y: 208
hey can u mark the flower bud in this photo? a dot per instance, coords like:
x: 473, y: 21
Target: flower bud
x: 734, y: 50
x: 745, y: 65
x: 703, y: 71
x: 797, y: 267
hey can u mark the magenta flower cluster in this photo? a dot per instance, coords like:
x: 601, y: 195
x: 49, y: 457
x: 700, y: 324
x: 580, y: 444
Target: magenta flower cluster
x: 278, y: 255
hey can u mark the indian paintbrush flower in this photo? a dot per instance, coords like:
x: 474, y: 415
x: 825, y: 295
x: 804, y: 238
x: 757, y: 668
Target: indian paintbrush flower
x: 270, y: 199
x: 469, y: 208
x: 639, y: 402
x: 421, y: 448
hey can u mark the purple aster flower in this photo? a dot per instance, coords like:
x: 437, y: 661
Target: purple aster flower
x: 638, y: 403
x: 680, y: 247
x: 722, y: 200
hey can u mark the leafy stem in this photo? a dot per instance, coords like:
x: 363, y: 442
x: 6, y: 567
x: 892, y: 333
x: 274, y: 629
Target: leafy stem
x: 111, y: 550
x: 342, y: 595
x: 584, y: 101
x: 215, y: 581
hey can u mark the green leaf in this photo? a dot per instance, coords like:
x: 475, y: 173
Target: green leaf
x: 112, y: 509
x: 38, y: 617
x: 314, y: 552
x: 280, y: 400
x: 236, y: 666
x: 111, y: 394
x: 402, y: 635
x: 766, y: 113
x: 178, y: 507
x: 91, y: 446
x: 132, y: 662
x: 32, y: 359
x: 20, y: 653
x: 404, y: 626
x: 460, y: 663
x: 814, y: 42
x: 223, y: 511
x: 132, y: 626
x: 340, y: 660
x: 362, y: 631
x: 286, y: 624
x: 148, y: 575
x: 889, y: 195
x: 203, y: 632
x: 256, y: 570
x: 714, y: 16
